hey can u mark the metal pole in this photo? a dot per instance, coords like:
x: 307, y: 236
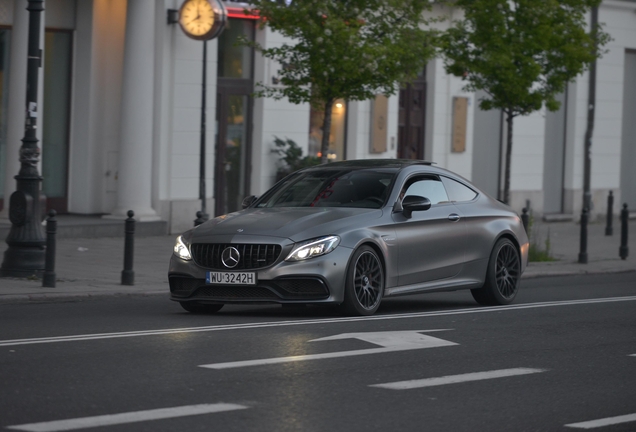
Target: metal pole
x: 48, y: 278
x: 128, y: 275
x: 623, y: 251
x: 202, y: 194
x: 583, y: 250
x: 587, y: 161
x: 25, y: 254
x: 610, y: 210
x: 525, y: 218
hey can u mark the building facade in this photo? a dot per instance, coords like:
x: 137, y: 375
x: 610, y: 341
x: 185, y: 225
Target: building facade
x: 121, y: 97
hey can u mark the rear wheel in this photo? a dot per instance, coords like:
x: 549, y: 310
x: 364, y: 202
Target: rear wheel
x: 364, y: 286
x: 502, y: 277
x: 199, y: 308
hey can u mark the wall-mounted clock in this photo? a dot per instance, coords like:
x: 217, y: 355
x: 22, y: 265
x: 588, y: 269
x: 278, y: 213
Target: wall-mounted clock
x: 202, y: 19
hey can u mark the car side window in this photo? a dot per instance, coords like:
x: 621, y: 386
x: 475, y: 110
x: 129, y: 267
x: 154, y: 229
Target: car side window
x: 428, y: 187
x: 458, y: 192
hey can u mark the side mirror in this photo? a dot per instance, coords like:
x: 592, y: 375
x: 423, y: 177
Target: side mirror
x: 248, y: 201
x: 412, y: 203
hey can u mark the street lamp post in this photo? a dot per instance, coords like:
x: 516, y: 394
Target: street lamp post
x: 201, y: 20
x: 202, y: 194
x: 25, y: 254
x: 587, y: 160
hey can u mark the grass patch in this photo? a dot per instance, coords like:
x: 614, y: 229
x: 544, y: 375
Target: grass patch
x: 537, y: 252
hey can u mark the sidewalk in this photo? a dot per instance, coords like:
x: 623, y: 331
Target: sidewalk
x: 91, y: 267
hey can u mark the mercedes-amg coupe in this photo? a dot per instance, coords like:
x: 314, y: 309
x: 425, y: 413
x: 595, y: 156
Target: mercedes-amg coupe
x: 353, y: 233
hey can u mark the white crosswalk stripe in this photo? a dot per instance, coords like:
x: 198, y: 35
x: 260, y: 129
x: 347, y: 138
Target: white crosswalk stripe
x: 455, y: 379
x: 129, y: 417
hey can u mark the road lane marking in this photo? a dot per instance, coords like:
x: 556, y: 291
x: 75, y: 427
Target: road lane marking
x: 455, y: 379
x: 493, y: 309
x: 129, y: 417
x: 390, y: 341
x: 603, y: 422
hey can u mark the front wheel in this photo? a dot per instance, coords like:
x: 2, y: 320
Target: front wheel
x: 502, y: 277
x: 364, y: 286
x: 199, y: 308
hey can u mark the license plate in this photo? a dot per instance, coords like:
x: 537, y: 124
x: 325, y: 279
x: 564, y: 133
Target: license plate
x: 231, y: 278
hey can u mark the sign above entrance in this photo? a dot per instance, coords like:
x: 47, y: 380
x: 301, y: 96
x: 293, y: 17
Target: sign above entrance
x: 202, y: 19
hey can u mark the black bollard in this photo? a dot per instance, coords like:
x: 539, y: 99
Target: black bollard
x: 525, y: 218
x: 200, y: 218
x: 48, y: 278
x: 128, y: 275
x: 610, y: 204
x: 623, y: 251
x: 583, y: 250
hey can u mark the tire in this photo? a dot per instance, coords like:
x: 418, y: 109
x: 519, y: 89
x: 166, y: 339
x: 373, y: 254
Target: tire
x: 364, y: 286
x: 502, y: 277
x: 198, y: 308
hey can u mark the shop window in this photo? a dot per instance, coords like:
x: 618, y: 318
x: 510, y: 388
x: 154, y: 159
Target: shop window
x: 337, y: 137
x: 235, y: 61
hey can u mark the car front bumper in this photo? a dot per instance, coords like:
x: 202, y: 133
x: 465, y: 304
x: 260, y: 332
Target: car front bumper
x: 316, y: 280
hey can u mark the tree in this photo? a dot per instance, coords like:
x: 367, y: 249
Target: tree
x: 343, y: 49
x: 522, y: 53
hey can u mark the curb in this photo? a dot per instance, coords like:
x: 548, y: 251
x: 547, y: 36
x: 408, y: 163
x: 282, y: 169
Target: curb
x: 68, y: 297
x: 575, y: 273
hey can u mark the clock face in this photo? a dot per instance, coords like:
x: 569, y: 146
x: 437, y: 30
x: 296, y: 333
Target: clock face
x: 196, y: 17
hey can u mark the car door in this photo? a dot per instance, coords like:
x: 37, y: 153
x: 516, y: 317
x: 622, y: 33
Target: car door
x: 430, y: 242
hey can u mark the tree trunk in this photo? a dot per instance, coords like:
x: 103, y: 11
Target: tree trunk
x: 326, y: 131
x: 506, y: 194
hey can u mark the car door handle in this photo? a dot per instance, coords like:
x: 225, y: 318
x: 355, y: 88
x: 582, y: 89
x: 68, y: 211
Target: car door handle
x: 453, y: 217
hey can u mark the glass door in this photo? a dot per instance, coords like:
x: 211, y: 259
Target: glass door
x: 5, y: 44
x: 233, y: 117
x: 233, y: 139
x: 55, y: 118
x: 411, y: 117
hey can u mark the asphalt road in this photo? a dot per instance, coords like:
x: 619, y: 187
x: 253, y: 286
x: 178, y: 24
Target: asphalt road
x: 563, y: 354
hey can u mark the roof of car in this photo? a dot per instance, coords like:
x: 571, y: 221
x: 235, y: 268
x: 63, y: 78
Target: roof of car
x: 375, y: 163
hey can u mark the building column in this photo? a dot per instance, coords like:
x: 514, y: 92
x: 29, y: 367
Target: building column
x: 15, y: 104
x: 134, y: 181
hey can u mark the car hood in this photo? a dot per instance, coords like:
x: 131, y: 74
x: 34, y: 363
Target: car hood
x: 296, y: 224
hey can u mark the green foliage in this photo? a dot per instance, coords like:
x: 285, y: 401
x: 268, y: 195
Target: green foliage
x: 537, y: 254
x: 343, y: 49
x: 521, y: 53
x: 291, y: 156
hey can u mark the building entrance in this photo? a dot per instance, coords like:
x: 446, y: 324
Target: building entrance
x: 231, y: 174
x: 411, y: 117
x: 233, y: 145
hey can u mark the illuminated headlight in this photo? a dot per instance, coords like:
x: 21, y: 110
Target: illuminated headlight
x: 313, y: 248
x: 181, y: 250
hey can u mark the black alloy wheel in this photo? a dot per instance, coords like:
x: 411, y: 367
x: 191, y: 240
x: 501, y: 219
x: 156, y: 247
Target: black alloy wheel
x: 502, y: 277
x: 364, y: 286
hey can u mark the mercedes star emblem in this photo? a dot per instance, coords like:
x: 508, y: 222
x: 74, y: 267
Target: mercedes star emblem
x: 230, y: 257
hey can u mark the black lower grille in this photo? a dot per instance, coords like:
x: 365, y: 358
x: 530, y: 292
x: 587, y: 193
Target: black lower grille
x: 183, y: 286
x: 230, y: 293
x: 278, y: 289
x: 302, y: 287
x: 252, y: 256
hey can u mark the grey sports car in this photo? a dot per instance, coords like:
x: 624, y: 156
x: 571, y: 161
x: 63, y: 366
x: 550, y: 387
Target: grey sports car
x: 353, y: 233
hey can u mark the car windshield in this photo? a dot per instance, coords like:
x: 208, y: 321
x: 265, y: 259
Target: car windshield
x: 362, y: 188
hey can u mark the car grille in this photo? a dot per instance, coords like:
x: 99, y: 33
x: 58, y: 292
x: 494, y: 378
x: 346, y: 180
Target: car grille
x: 253, y: 256
x: 277, y: 289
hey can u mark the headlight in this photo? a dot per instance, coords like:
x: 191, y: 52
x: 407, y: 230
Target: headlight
x: 313, y: 248
x: 181, y: 250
